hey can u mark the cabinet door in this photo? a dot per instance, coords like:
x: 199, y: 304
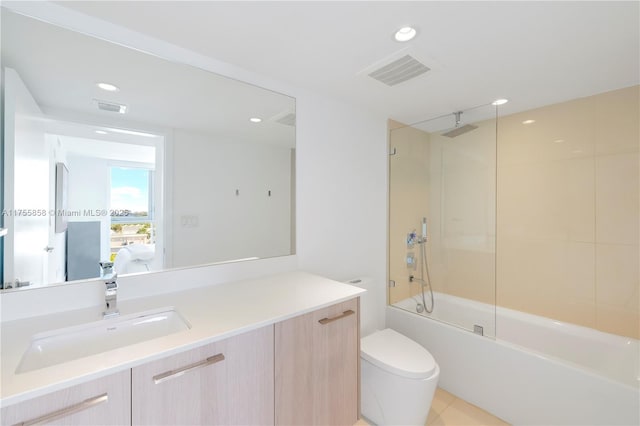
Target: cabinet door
x: 104, y: 401
x: 317, y: 367
x: 226, y: 383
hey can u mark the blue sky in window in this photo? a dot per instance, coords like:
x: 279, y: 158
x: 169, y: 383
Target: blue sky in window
x: 130, y: 189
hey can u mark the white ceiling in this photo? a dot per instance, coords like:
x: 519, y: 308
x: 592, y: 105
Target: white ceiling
x: 534, y: 53
x: 108, y: 150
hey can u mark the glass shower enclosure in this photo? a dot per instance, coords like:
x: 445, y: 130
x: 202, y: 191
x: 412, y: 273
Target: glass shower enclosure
x: 442, y: 218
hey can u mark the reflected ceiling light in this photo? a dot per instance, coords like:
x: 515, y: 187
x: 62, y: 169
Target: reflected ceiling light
x: 108, y: 87
x: 558, y: 141
x: 101, y: 132
x: 499, y: 102
x: 405, y: 34
x: 255, y: 119
x: 133, y: 133
x: 528, y: 121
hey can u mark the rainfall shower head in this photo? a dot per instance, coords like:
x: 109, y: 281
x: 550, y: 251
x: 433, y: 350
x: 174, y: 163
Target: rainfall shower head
x: 458, y: 129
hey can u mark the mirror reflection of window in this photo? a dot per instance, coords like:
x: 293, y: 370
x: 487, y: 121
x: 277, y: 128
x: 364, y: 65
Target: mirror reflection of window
x: 131, y: 204
x: 133, y: 228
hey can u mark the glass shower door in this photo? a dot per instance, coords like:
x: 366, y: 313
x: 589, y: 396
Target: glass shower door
x: 442, y: 218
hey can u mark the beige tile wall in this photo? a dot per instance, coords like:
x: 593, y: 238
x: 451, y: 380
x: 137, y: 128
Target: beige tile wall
x: 408, y: 202
x: 463, y: 200
x: 568, y: 219
x: 568, y: 216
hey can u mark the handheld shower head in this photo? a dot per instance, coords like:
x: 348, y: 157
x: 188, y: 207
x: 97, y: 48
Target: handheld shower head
x: 458, y: 129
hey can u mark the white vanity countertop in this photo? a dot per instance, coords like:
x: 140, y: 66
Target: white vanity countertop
x: 214, y: 312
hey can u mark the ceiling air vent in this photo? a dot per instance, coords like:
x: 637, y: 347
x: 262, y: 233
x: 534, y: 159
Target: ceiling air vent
x: 110, y: 106
x: 400, y: 70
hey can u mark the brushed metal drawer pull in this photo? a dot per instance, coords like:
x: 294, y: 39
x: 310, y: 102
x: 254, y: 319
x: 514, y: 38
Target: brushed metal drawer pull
x: 336, y: 318
x: 172, y: 374
x: 67, y: 411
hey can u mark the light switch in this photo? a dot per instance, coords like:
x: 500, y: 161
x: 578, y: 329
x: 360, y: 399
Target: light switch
x: 189, y: 221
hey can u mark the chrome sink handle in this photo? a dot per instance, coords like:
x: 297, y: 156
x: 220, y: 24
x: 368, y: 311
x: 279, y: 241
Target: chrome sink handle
x: 111, y: 297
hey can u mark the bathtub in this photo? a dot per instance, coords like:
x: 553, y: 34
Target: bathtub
x: 527, y: 369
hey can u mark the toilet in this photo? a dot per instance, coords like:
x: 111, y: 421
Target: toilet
x: 398, y: 376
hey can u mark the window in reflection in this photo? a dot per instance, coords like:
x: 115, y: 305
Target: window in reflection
x: 132, y: 224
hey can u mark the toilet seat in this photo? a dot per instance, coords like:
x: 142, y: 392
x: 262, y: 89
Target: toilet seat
x: 397, y: 354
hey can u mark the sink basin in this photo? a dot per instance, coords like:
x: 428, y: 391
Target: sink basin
x: 66, y: 344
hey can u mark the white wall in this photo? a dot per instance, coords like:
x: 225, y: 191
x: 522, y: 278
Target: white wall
x: 26, y: 184
x: 57, y: 258
x: 89, y: 182
x: 213, y: 224
x: 341, y: 178
x: 341, y: 194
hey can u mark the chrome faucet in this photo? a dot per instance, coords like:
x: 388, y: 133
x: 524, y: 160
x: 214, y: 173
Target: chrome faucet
x: 111, y: 297
x: 111, y: 290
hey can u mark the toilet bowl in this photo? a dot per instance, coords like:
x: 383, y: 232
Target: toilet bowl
x: 398, y: 377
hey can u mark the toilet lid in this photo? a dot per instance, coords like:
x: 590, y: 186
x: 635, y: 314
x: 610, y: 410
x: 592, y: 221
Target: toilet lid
x: 397, y: 354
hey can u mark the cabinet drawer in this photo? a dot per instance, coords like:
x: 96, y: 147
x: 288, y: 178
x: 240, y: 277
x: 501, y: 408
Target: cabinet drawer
x: 104, y: 401
x: 229, y: 382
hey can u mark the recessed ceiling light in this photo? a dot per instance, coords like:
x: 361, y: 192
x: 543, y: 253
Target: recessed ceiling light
x: 528, y: 121
x: 499, y: 102
x: 405, y: 34
x: 108, y: 87
x: 101, y: 132
x: 255, y: 119
x: 558, y: 141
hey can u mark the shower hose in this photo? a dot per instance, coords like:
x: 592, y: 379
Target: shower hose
x: 424, y: 268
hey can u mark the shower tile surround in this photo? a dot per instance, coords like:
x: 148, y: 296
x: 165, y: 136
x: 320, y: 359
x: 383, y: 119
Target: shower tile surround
x: 412, y: 150
x: 568, y: 193
x: 567, y: 209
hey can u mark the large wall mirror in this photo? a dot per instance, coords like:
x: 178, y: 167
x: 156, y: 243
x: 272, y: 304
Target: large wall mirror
x: 112, y: 154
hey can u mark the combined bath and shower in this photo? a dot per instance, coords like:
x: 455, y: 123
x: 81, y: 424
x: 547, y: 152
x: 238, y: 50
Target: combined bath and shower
x: 424, y: 270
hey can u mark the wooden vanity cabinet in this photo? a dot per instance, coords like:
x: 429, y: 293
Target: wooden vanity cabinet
x: 301, y: 371
x: 103, y: 401
x: 317, y: 367
x: 229, y: 382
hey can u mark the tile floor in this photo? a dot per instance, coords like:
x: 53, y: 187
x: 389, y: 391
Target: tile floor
x: 449, y: 410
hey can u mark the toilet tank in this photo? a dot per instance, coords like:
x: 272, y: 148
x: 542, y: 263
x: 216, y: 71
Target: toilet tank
x: 368, y: 308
